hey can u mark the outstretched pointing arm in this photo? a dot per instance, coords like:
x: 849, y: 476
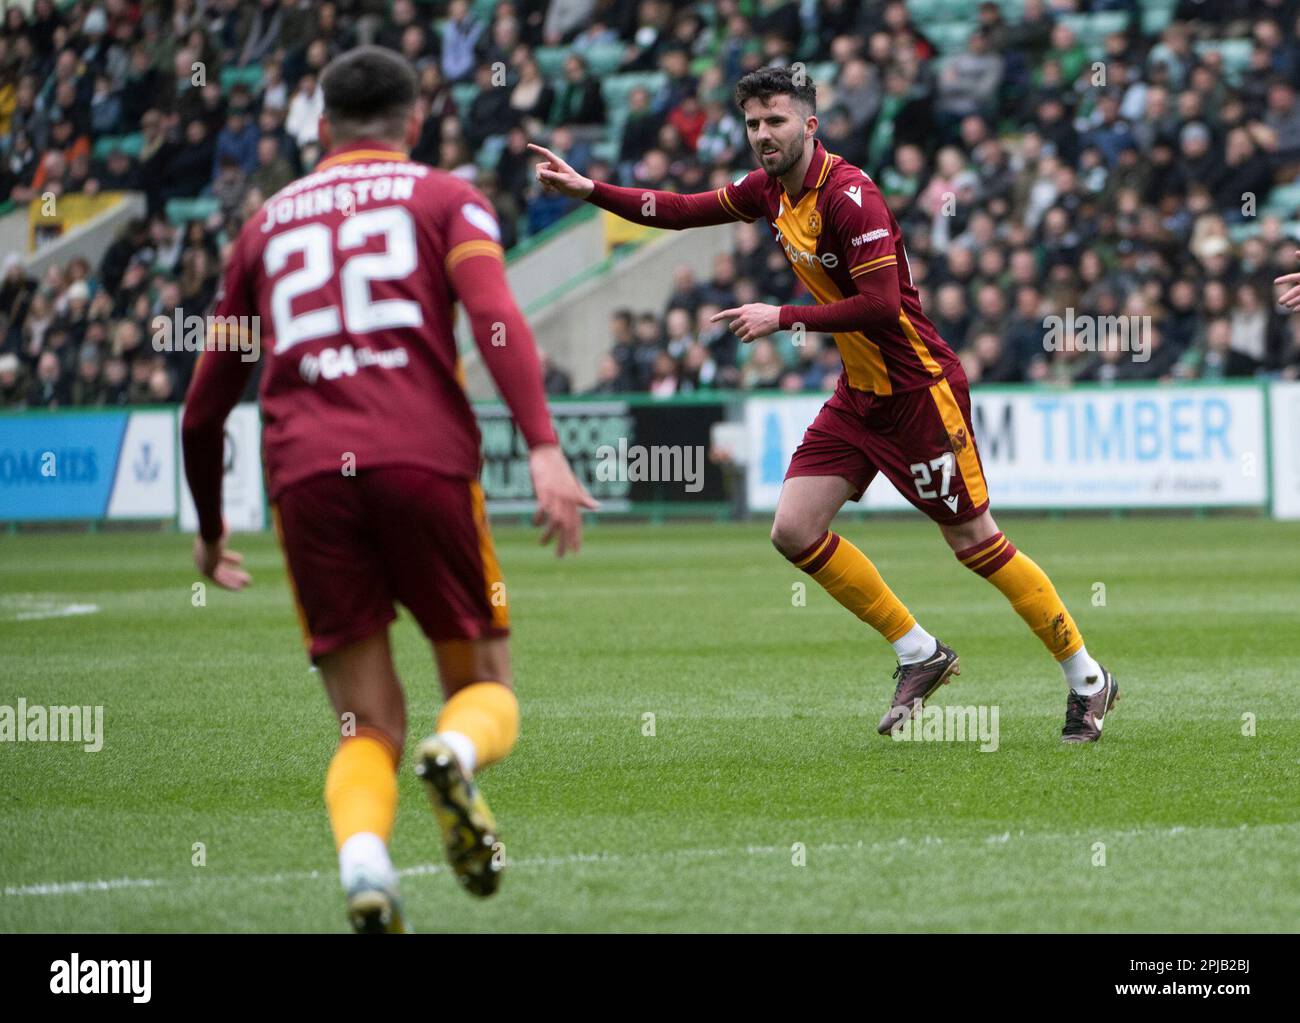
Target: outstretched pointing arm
x: 652, y: 207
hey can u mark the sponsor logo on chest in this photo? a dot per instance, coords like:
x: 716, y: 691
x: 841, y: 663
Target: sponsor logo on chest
x: 798, y: 235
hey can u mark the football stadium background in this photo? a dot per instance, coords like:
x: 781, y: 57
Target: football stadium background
x: 689, y: 721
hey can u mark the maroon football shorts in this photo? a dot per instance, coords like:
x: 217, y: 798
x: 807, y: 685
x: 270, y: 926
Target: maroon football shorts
x: 921, y: 440
x: 357, y: 544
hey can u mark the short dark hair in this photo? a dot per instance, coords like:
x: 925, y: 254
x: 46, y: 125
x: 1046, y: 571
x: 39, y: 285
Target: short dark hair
x: 767, y: 82
x: 369, y: 89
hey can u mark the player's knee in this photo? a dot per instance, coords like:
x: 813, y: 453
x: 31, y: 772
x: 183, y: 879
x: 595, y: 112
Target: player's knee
x: 790, y: 538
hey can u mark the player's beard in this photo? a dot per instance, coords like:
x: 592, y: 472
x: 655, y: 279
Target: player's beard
x: 787, y: 157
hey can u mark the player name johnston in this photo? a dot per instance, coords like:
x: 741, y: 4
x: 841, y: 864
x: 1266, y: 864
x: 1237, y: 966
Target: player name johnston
x: 316, y: 194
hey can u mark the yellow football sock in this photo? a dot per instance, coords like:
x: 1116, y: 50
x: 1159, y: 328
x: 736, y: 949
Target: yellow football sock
x: 1031, y: 593
x: 487, y: 713
x: 848, y: 575
x: 361, y: 786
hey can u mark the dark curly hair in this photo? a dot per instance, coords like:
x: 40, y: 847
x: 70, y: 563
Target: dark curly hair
x: 368, y: 88
x: 767, y: 82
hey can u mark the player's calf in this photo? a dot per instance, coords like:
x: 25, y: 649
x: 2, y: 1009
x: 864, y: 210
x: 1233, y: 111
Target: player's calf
x: 1035, y: 600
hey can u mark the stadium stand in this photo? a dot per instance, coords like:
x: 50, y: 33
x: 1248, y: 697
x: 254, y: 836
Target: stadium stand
x: 1103, y: 156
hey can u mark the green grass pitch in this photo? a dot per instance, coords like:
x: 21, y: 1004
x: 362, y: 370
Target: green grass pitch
x: 216, y: 733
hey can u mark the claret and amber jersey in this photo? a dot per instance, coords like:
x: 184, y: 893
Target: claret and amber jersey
x: 838, y: 230
x: 352, y: 276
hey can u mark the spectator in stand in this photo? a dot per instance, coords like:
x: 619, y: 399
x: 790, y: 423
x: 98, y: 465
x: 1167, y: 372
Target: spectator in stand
x: 1011, y: 171
x: 579, y: 100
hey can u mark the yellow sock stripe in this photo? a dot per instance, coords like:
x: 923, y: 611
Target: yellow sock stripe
x: 476, y: 247
x: 813, y: 556
x: 980, y: 560
x: 850, y: 577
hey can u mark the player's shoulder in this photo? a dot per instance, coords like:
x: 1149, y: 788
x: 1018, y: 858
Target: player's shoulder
x: 449, y: 193
x: 756, y: 182
x: 851, y: 194
x: 251, y: 236
x: 850, y: 183
x: 452, y: 198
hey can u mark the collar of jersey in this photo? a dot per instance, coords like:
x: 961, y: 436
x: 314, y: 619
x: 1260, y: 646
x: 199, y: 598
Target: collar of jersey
x: 819, y: 167
x: 360, y: 150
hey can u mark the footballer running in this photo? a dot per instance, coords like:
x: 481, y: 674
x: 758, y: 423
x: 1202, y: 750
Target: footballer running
x: 372, y: 460
x: 902, y: 403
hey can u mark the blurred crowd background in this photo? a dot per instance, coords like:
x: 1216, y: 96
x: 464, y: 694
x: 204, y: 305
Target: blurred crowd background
x: 1109, y: 157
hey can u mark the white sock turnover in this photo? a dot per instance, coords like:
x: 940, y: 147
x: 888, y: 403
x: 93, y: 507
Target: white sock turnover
x: 914, y: 646
x: 1083, y: 673
x: 364, y: 854
x: 463, y: 746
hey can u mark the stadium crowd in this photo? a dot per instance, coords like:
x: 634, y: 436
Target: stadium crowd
x: 1042, y: 156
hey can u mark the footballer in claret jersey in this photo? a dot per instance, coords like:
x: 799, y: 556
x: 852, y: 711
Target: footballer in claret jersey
x: 372, y: 460
x: 901, y: 406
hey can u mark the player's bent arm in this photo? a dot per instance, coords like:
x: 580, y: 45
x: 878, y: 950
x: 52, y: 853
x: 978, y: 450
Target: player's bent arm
x: 877, y: 304
x: 503, y: 337
x: 657, y: 208
x: 647, y: 206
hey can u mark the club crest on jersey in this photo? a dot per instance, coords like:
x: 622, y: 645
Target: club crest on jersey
x: 958, y: 441
x: 814, y: 223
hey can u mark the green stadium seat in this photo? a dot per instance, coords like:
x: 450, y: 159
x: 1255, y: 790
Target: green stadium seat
x: 949, y: 36
x: 182, y: 211
x: 550, y: 60
x: 607, y: 151
x: 823, y: 73
x: 250, y: 76
x: 1092, y: 29
x: 1235, y: 54
x: 926, y: 12
x: 1238, y: 233
x: 615, y: 88
x: 1284, y: 200
x: 129, y: 144
x: 604, y: 58
x: 489, y: 152
x: 463, y: 95
x: 1156, y: 14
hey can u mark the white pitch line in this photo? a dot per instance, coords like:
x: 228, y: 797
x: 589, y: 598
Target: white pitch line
x: 1003, y: 838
